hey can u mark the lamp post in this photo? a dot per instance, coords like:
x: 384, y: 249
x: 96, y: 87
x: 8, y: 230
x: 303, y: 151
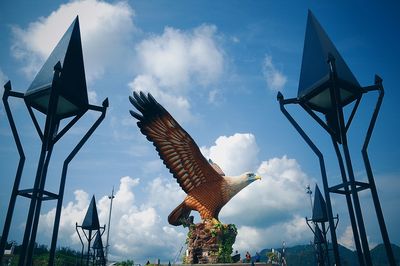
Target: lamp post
x: 326, y: 86
x: 109, y: 222
x: 58, y: 91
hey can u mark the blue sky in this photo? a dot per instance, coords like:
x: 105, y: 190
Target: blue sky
x: 216, y: 66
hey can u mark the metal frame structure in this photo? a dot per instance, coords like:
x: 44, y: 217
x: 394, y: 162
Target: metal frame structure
x: 38, y: 194
x: 320, y: 232
x: 349, y: 186
x: 89, y: 237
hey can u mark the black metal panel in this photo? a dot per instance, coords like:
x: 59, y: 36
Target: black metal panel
x: 72, y: 86
x: 91, y: 220
x: 319, y: 214
x: 315, y: 71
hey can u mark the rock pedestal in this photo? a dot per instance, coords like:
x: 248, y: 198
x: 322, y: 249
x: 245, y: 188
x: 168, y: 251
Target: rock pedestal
x: 210, y: 242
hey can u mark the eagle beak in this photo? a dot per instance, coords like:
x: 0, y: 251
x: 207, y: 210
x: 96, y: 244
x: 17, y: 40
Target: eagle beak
x: 257, y: 177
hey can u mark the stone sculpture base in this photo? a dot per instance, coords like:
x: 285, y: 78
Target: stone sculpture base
x: 210, y: 242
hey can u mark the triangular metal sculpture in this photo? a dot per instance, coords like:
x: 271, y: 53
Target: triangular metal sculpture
x: 71, y: 87
x: 98, y: 243
x: 91, y: 221
x: 319, y: 214
x: 318, y: 237
x: 98, y: 249
x: 314, y: 80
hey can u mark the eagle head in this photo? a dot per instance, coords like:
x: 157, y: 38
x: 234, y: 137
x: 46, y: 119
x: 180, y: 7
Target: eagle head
x: 237, y: 183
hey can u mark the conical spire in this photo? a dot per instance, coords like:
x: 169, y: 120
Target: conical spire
x: 98, y: 243
x: 315, y: 70
x: 318, y: 237
x: 91, y: 221
x: 319, y: 214
x: 72, y: 89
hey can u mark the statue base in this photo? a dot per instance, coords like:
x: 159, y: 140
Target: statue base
x: 210, y: 242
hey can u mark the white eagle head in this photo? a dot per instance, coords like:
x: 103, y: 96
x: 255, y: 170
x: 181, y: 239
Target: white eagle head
x: 237, y: 183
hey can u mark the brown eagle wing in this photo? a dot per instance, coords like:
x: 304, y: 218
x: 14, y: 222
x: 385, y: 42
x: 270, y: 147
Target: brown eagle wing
x: 175, y: 147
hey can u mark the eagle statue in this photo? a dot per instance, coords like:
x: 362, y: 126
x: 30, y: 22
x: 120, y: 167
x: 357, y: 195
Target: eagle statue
x: 206, y: 186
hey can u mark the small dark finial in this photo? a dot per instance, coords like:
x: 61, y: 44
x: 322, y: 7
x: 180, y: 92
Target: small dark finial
x: 105, y: 103
x: 279, y: 96
x: 378, y: 80
x: 57, y: 66
x: 7, y: 86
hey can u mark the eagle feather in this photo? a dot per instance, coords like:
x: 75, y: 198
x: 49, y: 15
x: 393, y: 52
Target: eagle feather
x: 206, y: 186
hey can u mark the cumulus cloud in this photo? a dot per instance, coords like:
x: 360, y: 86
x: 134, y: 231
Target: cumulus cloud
x: 71, y: 213
x: 138, y: 231
x: 106, y: 31
x: 347, y: 239
x: 270, y: 210
x: 267, y: 212
x: 252, y: 239
x: 274, y: 199
x: 234, y: 154
x: 275, y: 79
x: 176, y: 60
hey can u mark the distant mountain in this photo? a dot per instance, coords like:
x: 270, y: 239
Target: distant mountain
x: 303, y: 255
x: 378, y: 255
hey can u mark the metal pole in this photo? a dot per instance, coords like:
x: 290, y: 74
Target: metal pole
x: 17, y: 181
x: 28, y: 226
x: 349, y: 204
x: 64, y: 176
x: 88, y: 252
x: 368, y: 168
x: 323, y: 174
x: 338, y: 112
x: 324, y: 232
x: 357, y: 206
x: 109, y: 221
x: 38, y: 207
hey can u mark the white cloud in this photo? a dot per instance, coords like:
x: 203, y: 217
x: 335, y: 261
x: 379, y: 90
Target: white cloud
x: 276, y: 80
x: 273, y: 199
x: 253, y: 239
x: 271, y: 210
x: 138, y: 231
x: 174, y: 62
x: 268, y: 212
x: 106, y: 31
x: 71, y: 213
x: 234, y: 154
x: 347, y: 239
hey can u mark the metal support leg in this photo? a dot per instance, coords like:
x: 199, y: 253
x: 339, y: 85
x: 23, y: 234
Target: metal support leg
x: 63, y: 180
x: 17, y: 181
x: 323, y: 174
x: 349, y: 204
x: 28, y: 226
x: 371, y: 180
x: 335, y: 94
x: 38, y: 206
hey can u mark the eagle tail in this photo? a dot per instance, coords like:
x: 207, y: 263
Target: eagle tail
x: 180, y: 215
